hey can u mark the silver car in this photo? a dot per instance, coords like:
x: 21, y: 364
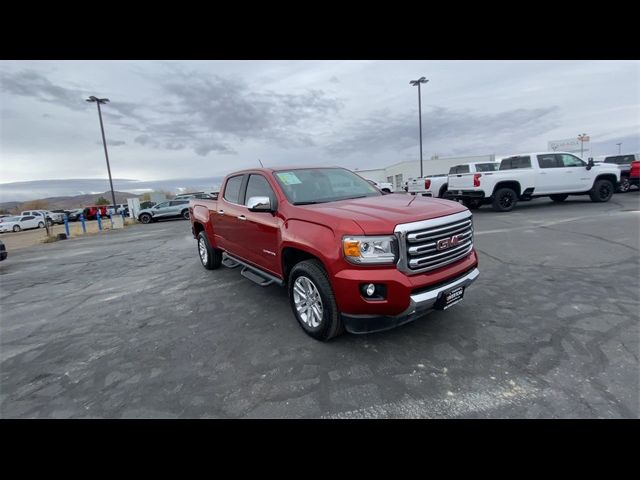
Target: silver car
x: 168, y: 209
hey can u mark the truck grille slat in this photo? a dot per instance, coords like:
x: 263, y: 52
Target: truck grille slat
x: 421, y: 241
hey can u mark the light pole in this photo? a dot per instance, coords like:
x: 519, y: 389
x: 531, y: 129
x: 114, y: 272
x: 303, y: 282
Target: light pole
x: 414, y: 83
x: 583, y: 137
x: 619, y: 147
x: 99, y: 101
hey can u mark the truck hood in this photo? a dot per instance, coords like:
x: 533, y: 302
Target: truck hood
x: 380, y: 215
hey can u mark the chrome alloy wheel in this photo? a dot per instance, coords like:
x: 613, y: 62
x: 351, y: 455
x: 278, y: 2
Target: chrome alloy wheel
x: 202, y: 248
x: 307, y: 301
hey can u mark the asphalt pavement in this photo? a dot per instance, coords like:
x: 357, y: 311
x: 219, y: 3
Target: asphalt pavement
x: 127, y: 324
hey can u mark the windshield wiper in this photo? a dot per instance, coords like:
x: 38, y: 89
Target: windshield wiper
x: 306, y: 203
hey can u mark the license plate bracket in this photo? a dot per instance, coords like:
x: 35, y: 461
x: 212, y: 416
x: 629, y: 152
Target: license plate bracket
x: 449, y: 298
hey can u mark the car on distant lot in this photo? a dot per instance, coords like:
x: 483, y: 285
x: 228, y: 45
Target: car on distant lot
x: 121, y: 208
x: 634, y: 174
x: 187, y: 196
x: 542, y: 174
x: 50, y: 216
x: 91, y: 213
x: 382, y: 186
x: 74, y: 215
x: 21, y: 222
x: 3, y: 251
x: 165, y: 210
x: 624, y: 164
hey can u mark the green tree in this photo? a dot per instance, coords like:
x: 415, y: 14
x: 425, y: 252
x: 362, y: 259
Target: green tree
x: 102, y: 201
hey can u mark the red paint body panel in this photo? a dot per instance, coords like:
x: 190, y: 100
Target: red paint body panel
x: 318, y: 230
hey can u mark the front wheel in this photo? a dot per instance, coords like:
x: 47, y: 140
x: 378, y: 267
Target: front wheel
x: 210, y: 257
x: 472, y: 204
x: 624, y: 186
x: 185, y: 214
x: 602, y: 191
x: 504, y: 200
x: 145, y: 218
x: 559, y: 198
x: 16, y: 228
x: 313, y: 302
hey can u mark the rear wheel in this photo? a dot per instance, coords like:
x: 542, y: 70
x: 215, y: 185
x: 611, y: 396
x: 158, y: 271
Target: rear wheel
x: 504, y: 200
x: 602, y: 191
x: 625, y: 185
x: 559, y: 198
x: 313, y: 302
x: 472, y: 204
x: 185, y: 214
x: 443, y: 191
x: 16, y: 228
x: 145, y: 218
x: 210, y: 257
x: 41, y: 225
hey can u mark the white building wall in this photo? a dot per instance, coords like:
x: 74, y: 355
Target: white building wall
x: 375, y: 174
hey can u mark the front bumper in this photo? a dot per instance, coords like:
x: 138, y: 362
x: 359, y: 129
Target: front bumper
x: 420, y: 304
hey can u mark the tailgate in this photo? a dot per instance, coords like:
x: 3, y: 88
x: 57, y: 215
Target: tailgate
x: 461, y: 181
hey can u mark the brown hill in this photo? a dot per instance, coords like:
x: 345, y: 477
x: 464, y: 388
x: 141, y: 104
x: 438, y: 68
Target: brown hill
x: 65, y: 203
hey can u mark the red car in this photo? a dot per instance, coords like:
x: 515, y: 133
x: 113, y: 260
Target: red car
x: 90, y: 213
x: 350, y: 257
x: 634, y: 174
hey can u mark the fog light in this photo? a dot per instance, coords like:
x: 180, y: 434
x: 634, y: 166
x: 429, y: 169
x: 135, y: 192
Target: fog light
x: 371, y: 288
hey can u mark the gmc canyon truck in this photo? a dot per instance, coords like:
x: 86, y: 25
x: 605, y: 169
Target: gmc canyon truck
x: 350, y: 256
x: 523, y: 177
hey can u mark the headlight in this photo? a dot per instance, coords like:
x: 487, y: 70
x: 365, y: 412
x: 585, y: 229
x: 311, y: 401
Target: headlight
x: 370, y: 249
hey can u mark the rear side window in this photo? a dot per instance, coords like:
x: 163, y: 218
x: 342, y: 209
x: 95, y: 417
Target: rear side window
x: 459, y: 169
x: 258, y: 186
x: 486, y: 167
x: 232, y: 189
x: 548, y: 161
x: 178, y: 202
x: 30, y: 217
x: 513, y: 163
x: 620, y: 159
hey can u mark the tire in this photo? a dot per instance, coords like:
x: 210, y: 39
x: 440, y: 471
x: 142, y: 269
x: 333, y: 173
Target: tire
x: 185, y: 214
x: 310, y: 278
x: 146, y: 218
x: 41, y: 225
x: 386, y: 190
x: 16, y: 228
x: 602, y: 191
x: 504, y: 200
x: 443, y: 191
x: 211, y: 258
x: 561, y: 197
x: 472, y: 204
x: 624, y: 186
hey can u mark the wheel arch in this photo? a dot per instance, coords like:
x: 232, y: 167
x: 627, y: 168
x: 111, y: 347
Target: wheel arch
x: 512, y: 184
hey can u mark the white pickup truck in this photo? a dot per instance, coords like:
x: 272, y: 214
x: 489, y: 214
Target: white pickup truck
x: 523, y: 177
x: 437, y: 185
x: 384, y: 186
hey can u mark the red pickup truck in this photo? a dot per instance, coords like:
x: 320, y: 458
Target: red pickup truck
x: 350, y: 257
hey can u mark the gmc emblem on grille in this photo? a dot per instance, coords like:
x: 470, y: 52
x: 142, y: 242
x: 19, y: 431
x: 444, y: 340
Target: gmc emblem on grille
x: 445, y: 243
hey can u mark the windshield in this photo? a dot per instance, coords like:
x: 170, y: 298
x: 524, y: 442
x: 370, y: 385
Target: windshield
x: 320, y: 185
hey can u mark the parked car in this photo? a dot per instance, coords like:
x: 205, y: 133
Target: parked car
x: 3, y: 251
x: 91, y: 213
x: 624, y: 164
x: 165, y: 210
x: 523, y: 177
x: 351, y: 257
x: 430, y: 186
x: 74, y: 215
x: 46, y: 214
x: 634, y: 174
x: 188, y: 196
x: 121, y: 208
x: 21, y: 222
x: 382, y: 186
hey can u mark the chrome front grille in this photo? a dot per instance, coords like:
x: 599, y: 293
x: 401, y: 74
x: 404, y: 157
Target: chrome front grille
x: 431, y: 244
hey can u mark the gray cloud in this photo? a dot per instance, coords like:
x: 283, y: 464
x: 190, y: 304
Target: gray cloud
x: 384, y: 130
x: 29, y: 83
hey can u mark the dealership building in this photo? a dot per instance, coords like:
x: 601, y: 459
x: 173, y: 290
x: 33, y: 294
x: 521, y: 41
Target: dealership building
x: 400, y: 172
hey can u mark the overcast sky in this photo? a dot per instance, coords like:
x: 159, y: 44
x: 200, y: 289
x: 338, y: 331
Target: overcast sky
x: 179, y: 119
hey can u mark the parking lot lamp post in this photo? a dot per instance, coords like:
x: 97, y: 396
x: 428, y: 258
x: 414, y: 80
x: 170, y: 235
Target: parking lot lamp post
x: 583, y: 137
x: 99, y: 101
x: 619, y: 147
x: 414, y: 83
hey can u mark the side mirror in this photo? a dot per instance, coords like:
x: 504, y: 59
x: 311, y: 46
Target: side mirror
x: 259, y: 204
x: 590, y: 164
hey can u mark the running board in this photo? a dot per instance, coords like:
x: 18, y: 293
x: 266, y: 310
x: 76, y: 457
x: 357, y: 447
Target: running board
x: 250, y: 272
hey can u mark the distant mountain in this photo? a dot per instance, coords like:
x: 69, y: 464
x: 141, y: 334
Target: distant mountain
x: 70, y: 202
x: 38, y: 189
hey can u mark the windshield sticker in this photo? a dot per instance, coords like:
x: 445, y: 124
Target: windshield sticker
x: 288, y: 178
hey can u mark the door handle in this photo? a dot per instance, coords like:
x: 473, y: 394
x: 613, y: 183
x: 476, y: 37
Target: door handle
x: 220, y: 212
x: 241, y: 217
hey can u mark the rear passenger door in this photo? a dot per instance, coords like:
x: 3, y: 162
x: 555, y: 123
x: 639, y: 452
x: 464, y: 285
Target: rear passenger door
x: 550, y: 174
x: 226, y: 225
x: 177, y: 206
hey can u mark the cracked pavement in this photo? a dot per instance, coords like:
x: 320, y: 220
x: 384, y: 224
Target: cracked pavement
x: 128, y: 324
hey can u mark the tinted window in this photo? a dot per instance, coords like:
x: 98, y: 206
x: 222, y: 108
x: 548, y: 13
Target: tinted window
x: 486, y: 167
x: 620, y: 159
x: 162, y: 205
x: 515, y: 162
x: 570, y: 161
x: 178, y: 202
x: 259, y: 187
x: 459, y: 169
x: 548, y: 161
x: 30, y: 217
x: 232, y: 189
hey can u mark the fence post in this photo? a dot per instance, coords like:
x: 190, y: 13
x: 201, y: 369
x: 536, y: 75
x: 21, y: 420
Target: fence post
x: 66, y: 225
x: 84, y: 225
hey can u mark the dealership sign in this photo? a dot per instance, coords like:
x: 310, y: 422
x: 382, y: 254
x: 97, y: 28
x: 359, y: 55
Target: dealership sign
x: 568, y: 145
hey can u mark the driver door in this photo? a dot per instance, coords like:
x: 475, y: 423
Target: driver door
x: 161, y: 210
x: 576, y: 177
